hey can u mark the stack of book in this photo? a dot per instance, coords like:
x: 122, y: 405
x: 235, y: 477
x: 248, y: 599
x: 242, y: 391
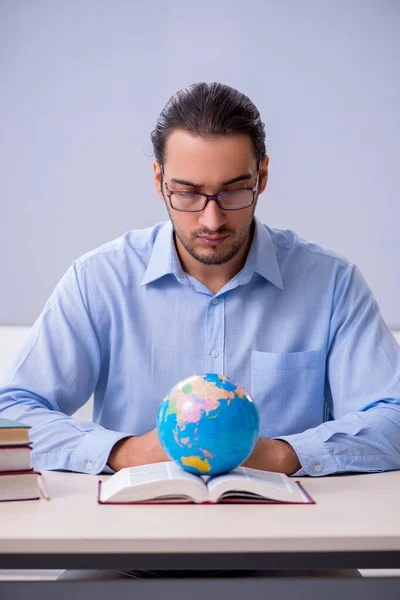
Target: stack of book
x: 18, y: 481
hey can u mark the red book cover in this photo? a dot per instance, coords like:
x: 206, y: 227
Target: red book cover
x: 16, y: 446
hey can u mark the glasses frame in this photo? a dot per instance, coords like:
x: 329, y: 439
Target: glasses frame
x: 215, y: 197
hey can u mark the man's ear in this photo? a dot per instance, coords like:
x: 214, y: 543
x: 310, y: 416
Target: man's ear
x: 158, y: 178
x: 264, y: 164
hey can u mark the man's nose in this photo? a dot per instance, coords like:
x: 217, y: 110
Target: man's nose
x: 212, y: 217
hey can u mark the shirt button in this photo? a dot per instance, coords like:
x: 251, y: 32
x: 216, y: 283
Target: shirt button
x: 89, y: 465
x: 214, y: 353
x: 317, y: 468
x: 214, y: 300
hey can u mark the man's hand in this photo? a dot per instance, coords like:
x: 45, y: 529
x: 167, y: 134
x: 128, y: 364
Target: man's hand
x: 273, y: 455
x: 135, y: 451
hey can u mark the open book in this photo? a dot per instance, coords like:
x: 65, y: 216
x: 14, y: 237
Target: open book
x: 167, y: 483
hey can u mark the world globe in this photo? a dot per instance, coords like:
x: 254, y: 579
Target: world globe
x: 208, y: 424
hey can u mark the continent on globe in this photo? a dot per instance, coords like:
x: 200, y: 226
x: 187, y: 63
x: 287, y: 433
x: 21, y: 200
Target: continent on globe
x: 195, y: 462
x: 208, y: 424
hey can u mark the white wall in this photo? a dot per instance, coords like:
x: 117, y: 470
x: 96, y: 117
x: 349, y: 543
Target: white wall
x: 82, y: 86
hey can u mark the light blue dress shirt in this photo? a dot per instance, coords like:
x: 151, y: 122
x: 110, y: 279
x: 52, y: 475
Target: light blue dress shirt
x: 297, y: 327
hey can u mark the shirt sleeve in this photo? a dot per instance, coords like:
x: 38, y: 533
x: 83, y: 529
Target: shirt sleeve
x: 54, y: 373
x: 362, y: 390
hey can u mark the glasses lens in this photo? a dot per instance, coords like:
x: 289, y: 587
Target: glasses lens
x: 236, y: 199
x: 186, y: 201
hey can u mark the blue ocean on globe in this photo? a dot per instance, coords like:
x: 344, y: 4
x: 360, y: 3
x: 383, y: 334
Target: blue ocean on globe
x: 208, y: 424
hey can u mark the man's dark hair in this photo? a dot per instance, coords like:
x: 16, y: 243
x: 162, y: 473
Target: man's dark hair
x: 209, y: 110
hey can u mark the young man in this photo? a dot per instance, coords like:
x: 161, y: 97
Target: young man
x: 211, y: 290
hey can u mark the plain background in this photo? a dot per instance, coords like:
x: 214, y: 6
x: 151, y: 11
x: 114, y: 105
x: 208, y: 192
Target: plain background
x: 82, y: 84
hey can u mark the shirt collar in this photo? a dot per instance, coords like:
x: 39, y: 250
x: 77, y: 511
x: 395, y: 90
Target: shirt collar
x: 261, y: 258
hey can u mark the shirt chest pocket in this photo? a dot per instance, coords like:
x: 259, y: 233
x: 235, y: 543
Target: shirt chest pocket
x: 288, y: 389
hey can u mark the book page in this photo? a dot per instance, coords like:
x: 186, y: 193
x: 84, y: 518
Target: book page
x: 156, y: 472
x: 151, y: 481
x: 246, y: 481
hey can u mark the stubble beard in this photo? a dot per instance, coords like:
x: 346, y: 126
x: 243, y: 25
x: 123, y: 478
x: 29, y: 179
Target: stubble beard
x: 218, y: 258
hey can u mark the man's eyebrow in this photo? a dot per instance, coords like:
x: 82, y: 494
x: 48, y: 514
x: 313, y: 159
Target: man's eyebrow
x: 243, y: 177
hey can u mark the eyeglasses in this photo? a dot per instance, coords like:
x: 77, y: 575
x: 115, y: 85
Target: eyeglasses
x: 228, y: 200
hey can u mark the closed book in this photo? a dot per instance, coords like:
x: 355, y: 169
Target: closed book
x: 15, y: 458
x: 167, y: 483
x: 19, y: 485
x: 13, y: 433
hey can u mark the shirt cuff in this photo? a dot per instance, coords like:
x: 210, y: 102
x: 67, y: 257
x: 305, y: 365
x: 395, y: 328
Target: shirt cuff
x: 108, y: 470
x: 314, y: 458
x: 92, y: 453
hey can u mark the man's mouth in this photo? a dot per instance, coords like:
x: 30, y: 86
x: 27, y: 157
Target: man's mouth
x: 213, y: 241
